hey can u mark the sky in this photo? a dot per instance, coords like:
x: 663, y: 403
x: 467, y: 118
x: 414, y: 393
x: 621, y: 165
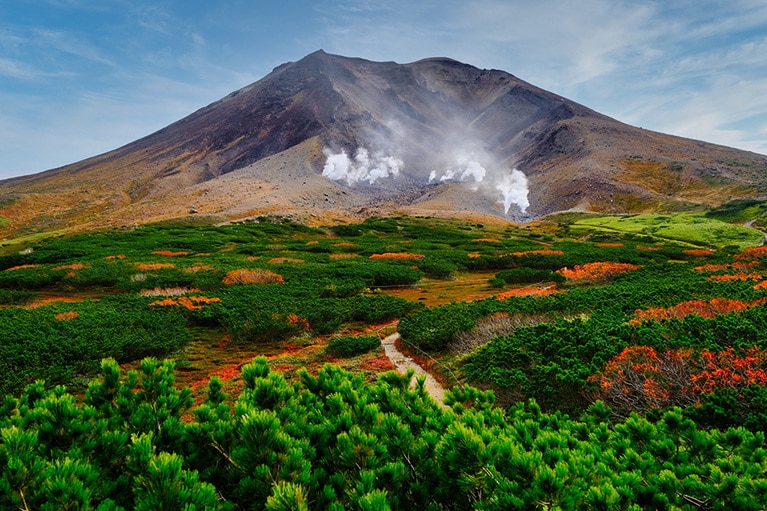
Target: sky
x: 82, y: 77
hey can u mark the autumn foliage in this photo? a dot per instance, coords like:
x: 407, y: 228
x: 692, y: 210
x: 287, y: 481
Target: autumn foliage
x: 640, y: 378
x: 73, y: 266
x: 251, y: 276
x: 22, y: 267
x: 596, y: 271
x: 397, y: 255
x: 736, y: 277
x: 698, y: 252
x: 752, y: 253
x: 66, y: 316
x: 527, y: 291
x: 543, y: 252
x: 169, y: 253
x: 281, y: 260
x: 154, y: 266
x: 739, y: 266
x: 188, y: 302
x: 704, y: 308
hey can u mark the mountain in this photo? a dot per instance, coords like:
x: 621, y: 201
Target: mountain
x: 329, y: 138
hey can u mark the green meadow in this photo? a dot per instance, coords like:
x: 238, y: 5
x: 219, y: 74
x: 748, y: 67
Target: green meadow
x: 590, y: 362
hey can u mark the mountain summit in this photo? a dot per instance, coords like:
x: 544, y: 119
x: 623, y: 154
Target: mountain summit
x: 332, y: 137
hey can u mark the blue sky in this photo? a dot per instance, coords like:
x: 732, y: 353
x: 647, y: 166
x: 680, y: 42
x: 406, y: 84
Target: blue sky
x: 81, y: 77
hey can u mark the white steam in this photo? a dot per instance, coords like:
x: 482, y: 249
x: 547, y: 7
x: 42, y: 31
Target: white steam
x: 481, y: 171
x: 363, y: 167
x: 467, y: 169
x: 512, y: 185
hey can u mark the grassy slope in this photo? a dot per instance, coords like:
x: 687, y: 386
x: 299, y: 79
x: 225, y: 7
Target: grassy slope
x: 688, y: 228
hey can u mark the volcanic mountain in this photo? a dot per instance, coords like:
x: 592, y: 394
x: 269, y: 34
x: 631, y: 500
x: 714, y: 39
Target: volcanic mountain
x: 329, y: 138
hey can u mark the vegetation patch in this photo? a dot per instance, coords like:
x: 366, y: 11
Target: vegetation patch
x: 681, y: 227
x: 347, y: 346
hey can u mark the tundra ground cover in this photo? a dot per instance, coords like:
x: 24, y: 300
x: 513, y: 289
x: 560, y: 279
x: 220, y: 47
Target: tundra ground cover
x: 223, y: 301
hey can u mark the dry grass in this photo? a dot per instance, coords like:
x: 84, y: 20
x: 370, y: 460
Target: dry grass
x: 490, y: 327
x: 282, y: 260
x: 168, y: 291
x: 250, y: 276
x: 528, y: 291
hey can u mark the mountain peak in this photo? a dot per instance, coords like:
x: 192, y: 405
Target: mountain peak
x: 350, y: 136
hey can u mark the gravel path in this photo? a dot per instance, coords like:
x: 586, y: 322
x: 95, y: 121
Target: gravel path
x: 403, y: 363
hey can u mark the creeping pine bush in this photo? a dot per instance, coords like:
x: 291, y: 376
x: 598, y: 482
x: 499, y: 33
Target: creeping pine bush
x: 348, y: 346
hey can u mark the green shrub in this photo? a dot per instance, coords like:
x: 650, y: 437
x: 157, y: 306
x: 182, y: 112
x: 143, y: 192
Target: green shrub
x: 348, y: 346
x: 437, y: 269
x: 528, y: 275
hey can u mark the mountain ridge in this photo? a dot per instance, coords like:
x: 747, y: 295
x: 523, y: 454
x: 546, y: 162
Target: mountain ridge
x: 397, y: 136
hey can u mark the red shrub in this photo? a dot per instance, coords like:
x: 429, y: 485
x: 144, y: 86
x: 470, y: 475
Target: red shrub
x: 596, y: 271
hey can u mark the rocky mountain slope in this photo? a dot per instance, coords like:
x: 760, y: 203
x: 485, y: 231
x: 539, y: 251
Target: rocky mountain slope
x: 329, y: 138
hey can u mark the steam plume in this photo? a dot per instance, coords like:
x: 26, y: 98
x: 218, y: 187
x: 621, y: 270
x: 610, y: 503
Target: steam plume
x: 481, y: 170
x: 512, y: 185
x: 363, y: 167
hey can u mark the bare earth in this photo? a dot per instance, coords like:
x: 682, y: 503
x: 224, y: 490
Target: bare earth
x: 403, y: 363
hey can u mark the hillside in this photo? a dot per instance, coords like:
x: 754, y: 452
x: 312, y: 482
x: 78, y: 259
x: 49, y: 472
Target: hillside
x: 622, y: 362
x: 331, y: 138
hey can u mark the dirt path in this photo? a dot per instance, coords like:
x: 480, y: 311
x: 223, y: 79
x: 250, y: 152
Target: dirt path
x: 403, y: 363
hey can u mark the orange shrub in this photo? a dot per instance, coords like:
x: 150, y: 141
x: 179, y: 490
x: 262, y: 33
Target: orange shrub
x: 169, y: 253
x: 118, y: 256
x: 378, y: 364
x: 281, y: 260
x: 298, y: 321
x: 66, y: 316
x: 198, y: 268
x: 727, y: 369
x: 73, y: 266
x: 343, y: 256
x: 154, y: 266
x: 474, y: 255
x: 647, y: 249
x: 188, y: 302
x: 485, y: 240
x: 315, y: 242
x: 706, y: 309
x: 737, y: 276
x: 527, y: 291
x: 761, y: 285
x: 596, y: 271
x: 722, y: 267
x: 397, y: 255
x: 251, y: 276
x: 698, y: 252
x: 610, y: 245
x: 640, y: 378
x: 543, y: 251
x: 22, y: 267
x: 752, y: 253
